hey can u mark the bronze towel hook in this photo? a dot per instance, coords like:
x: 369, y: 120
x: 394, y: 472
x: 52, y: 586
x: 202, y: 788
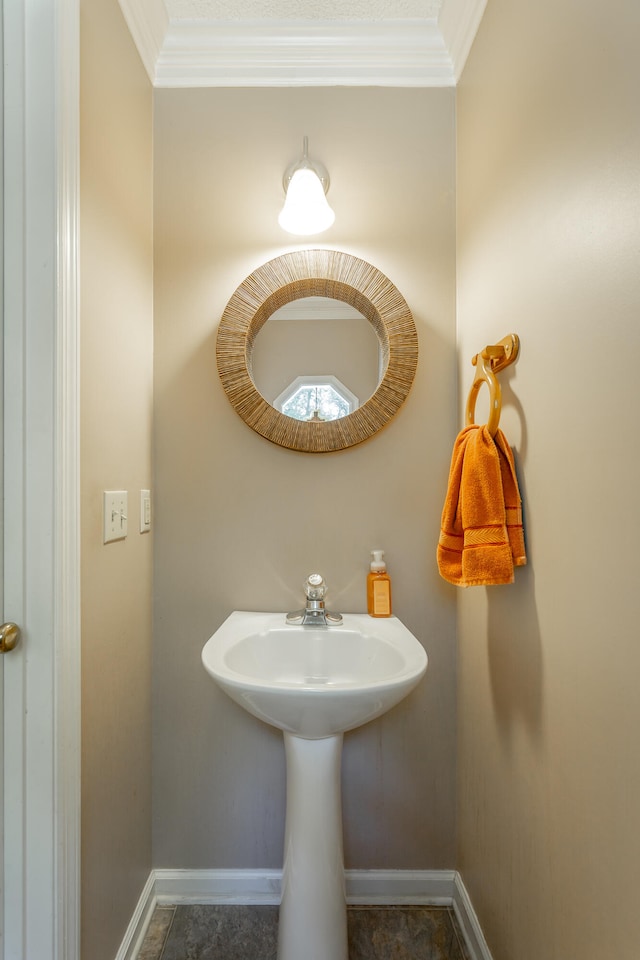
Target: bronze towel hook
x: 491, y: 360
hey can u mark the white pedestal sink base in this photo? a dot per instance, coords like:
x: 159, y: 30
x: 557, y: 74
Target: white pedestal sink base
x: 315, y: 683
x: 313, y: 914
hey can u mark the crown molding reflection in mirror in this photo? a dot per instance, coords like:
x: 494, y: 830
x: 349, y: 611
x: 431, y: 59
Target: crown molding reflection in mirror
x: 317, y: 273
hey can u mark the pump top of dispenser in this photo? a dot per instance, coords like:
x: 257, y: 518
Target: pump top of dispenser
x: 377, y: 564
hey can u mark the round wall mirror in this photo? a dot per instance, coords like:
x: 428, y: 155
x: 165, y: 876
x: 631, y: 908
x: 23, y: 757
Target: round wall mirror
x: 315, y: 276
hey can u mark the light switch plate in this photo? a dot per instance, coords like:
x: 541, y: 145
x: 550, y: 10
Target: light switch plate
x: 145, y: 511
x: 115, y: 511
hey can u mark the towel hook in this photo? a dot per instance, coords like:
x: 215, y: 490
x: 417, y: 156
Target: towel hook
x: 493, y: 358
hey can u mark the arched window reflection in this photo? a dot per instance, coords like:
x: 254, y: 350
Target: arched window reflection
x: 316, y: 398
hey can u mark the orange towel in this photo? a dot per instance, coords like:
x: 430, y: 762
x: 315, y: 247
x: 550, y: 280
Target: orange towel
x: 481, y: 538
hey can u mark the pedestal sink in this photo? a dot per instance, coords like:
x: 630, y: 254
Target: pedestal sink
x: 314, y: 684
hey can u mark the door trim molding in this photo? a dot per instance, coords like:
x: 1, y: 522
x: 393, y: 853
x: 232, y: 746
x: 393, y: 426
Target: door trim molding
x: 67, y: 636
x: 41, y: 97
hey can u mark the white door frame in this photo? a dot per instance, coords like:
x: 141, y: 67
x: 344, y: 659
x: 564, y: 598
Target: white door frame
x: 42, y: 563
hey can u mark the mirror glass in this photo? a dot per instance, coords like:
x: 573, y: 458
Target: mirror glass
x: 317, y: 340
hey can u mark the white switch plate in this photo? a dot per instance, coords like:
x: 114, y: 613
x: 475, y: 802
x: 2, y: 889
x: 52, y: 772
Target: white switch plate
x: 115, y: 513
x: 145, y: 511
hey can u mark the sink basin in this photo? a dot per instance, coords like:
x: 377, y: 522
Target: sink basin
x: 314, y: 682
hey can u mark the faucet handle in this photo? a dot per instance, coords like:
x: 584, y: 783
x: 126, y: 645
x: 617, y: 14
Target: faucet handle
x: 314, y: 587
x: 314, y: 614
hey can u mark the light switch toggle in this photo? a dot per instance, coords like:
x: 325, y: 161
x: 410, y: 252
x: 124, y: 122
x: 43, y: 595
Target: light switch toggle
x: 114, y: 515
x: 145, y: 511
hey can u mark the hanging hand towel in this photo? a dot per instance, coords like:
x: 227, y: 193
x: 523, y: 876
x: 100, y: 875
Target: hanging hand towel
x: 481, y: 536
x: 512, y: 500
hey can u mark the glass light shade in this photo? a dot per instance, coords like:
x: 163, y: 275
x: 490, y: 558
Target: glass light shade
x: 306, y: 210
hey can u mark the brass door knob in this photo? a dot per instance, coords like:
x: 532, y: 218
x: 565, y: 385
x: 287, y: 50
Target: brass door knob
x: 9, y: 636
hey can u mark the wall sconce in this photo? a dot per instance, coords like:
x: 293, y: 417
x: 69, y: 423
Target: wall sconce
x: 306, y: 210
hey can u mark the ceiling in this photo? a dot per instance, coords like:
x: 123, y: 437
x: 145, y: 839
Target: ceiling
x: 250, y: 43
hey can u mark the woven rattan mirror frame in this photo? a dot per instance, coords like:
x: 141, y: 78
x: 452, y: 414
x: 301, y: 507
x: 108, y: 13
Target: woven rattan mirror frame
x: 317, y: 273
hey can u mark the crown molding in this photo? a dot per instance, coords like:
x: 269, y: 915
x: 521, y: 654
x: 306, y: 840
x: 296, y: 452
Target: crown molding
x: 459, y: 21
x: 304, y: 53
x: 148, y: 24
x: 273, y: 53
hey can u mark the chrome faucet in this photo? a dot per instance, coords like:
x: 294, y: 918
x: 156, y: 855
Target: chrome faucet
x: 314, y: 613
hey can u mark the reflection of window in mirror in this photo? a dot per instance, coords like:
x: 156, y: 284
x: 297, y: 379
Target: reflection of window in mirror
x: 316, y: 398
x: 310, y: 338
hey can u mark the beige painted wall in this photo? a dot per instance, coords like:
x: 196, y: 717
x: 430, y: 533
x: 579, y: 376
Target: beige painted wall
x: 240, y: 522
x: 116, y: 409
x: 549, y: 246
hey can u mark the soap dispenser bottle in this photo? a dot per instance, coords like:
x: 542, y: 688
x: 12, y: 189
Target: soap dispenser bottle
x: 378, y: 587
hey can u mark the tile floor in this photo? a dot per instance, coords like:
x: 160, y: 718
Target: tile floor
x: 214, y: 932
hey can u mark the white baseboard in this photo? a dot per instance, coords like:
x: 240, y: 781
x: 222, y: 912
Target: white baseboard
x: 468, y: 921
x: 218, y: 886
x: 130, y: 946
x: 263, y: 886
x: 425, y: 887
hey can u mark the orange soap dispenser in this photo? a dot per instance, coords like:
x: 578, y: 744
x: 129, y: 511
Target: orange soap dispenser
x: 378, y: 587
